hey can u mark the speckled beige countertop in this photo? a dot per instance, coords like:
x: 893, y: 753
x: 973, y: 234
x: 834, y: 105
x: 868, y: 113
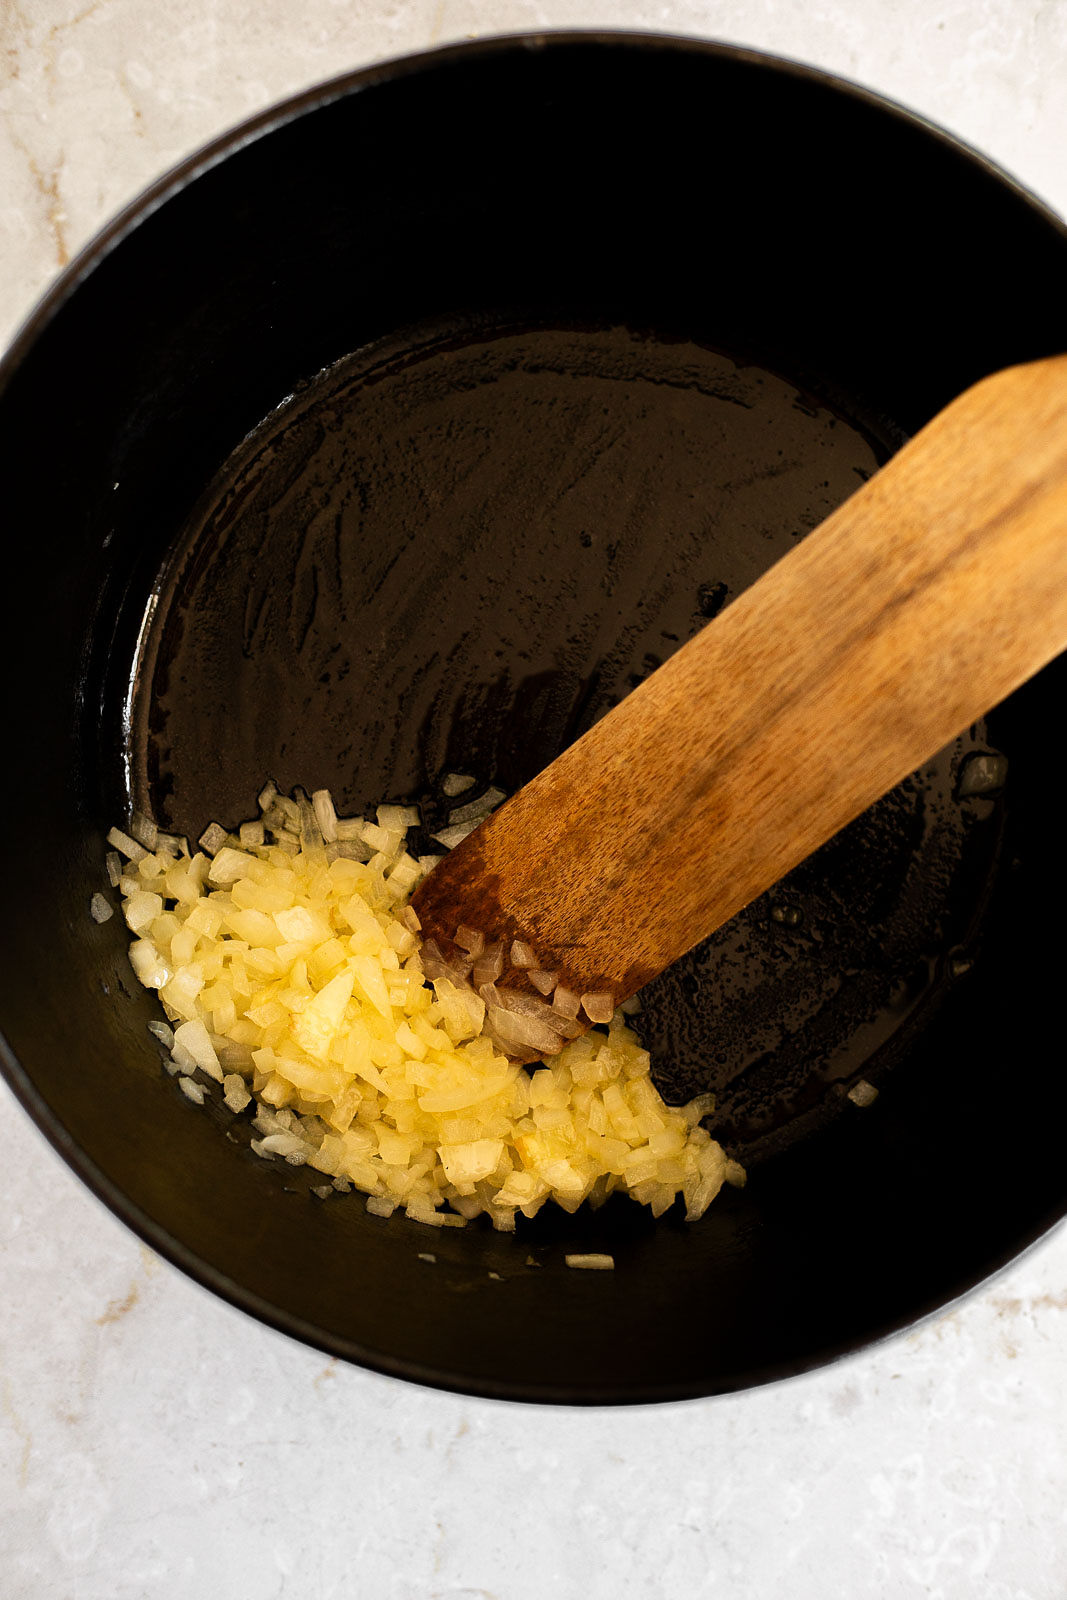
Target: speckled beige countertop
x: 156, y: 1443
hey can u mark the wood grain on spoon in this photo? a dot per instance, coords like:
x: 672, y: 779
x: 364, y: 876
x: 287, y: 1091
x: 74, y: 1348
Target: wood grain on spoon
x: 938, y: 588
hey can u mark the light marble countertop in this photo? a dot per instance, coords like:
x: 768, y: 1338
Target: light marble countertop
x: 155, y: 1442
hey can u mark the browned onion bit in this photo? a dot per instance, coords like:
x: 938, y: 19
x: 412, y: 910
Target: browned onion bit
x: 528, y: 1005
x: 528, y: 1032
x: 435, y: 965
x: 599, y: 1005
x: 345, y: 850
x: 516, y: 1053
x: 212, y: 839
x: 567, y: 1026
x: 566, y: 1001
x: 471, y: 940
x: 146, y: 833
x: 490, y: 964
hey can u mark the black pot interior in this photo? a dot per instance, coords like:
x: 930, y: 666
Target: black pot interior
x: 406, y: 439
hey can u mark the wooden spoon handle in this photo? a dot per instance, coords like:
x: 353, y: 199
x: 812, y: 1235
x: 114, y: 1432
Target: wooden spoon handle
x: 938, y: 588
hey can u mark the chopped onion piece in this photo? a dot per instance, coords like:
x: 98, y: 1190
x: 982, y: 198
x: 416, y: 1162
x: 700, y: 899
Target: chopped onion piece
x: 267, y: 796
x: 194, y: 1037
x: 398, y: 819
x: 471, y: 940
x: 434, y: 964
x: 148, y: 964
x: 349, y: 829
x: 228, y: 866
x: 522, y: 954
x: 100, y: 910
x: 566, y: 1002
x: 384, y: 839
x: 863, y: 1093
x: 144, y: 830
x: 519, y: 1055
x: 456, y: 783
x: 282, y: 1144
x: 141, y: 909
x: 514, y: 1028
x: 544, y: 981
x: 325, y: 815
x: 490, y: 964
x: 126, y: 846
x: 311, y: 840
x: 453, y: 835
x: 192, y: 1090
x: 593, y: 1261
x: 160, y: 1031
x: 701, y: 1106
x: 173, y: 844
x: 599, y: 1006
x: 213, y: 838
x: 477, y: 810
x: 409, y: 917
x: 567, y: 1026
x: 525, y: 1005
x: 113, y: 863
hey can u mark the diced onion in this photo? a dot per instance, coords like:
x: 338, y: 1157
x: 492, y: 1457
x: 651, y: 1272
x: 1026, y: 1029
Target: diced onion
x: 566, y: 1001
x: 213, y: 838
x: 471, y: 940
x: 513, y: 1028
x: 456, y: 783
x: 599, y: 1006
x: 490, y: 964
x: 126, y: 846
x: 194, y: 1037
x: 144, y: 830
x: 863, y: 1093
x: 292, y: 972
x: 455, y: 834
x: 325, y: 815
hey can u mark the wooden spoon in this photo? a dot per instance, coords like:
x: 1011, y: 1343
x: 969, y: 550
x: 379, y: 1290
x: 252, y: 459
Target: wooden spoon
x: 938, y: 588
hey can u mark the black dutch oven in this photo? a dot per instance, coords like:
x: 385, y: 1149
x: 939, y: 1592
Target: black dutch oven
x: 402, y: 431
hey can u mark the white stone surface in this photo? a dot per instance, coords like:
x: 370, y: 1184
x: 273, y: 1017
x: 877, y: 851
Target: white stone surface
x: 155, y: 1443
